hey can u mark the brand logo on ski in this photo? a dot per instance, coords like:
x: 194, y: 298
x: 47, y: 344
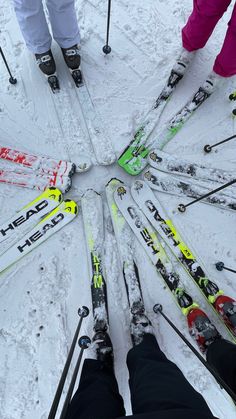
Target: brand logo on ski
x: 40, y: 233
x: 144, y: 232
x: 20, y: 220
x: 121, y: 191
x: 153, y: 156
x: 97, y: 271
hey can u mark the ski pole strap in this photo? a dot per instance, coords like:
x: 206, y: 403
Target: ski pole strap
x: 82, y: 312
x: 158, y: 309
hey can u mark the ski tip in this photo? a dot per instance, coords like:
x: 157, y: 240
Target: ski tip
x: 114, y: 180
x: 71, y: 206
x: 90, y: 191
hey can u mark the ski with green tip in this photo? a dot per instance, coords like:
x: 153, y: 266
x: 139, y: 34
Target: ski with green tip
x: 134, y: 158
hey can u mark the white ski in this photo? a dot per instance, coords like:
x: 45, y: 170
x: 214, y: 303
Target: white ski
x: 50, y: 224
x: 191, y: 188
x: 92, y: 210
x: 165, y: 162
x: 29, y: 215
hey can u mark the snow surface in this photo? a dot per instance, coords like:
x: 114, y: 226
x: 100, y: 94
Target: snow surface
x: 40, y: 295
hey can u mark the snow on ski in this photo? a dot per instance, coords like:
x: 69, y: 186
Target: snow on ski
x: 42, y: 164
x: 148, y: 239
x: 33, y: 180
x: 92, y: 210
x: 134, y: 158
x: 30, y: 213
x: 101, y: 143
x: 53, y: 222
x: 191, y: 188
x: 124, y: 238
x: 176, y: 165
x: 223, y: 305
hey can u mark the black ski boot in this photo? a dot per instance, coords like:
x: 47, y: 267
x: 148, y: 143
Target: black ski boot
x: 47, y: 65
x: 140, y: 325
x: 104, y: 348
x: 72, y: 58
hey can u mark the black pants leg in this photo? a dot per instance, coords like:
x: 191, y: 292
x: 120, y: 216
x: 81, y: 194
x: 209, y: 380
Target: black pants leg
x: 221, y: 355
x: 157, y: 384
x: 98, y: 395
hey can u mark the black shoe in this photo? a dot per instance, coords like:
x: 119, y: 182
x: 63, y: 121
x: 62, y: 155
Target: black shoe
x: 104, y: 348
x: 72, y: 57
x: 46, y: 63
x: 140, y: 325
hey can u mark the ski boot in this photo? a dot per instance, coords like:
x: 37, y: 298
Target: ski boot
x: 104, y: 348
x: 140, y: 325
x: 47, y: 65
x: 72, y: 59
x: 183, y: 61
x: 201, y: 328
x: 226, y: 307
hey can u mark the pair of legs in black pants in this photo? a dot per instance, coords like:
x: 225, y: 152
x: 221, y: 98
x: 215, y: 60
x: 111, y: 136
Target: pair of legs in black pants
x: 156, y: 385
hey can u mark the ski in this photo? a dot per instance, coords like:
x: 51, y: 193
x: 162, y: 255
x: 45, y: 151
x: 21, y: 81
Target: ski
x: 176, y: 165
x: 134, y: 158
x: 223, y: 305
x: 30, y: 213
x: 102, y: 145
x: 42, y: 164
x: 33, y: 180
x: 152, y: 118
x: 92, y: 210
x: 49, y: 225
x: 191, y: 188
x: 148, y: 239
x: 124, y: 238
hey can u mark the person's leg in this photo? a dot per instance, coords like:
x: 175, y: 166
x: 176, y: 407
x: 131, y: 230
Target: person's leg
x: 202, y: 22
x: 98, y: 395
x: 225, y: 63
x: 64, y: 22
x: 157, y: 383
x: 221, y: 355
x: 33, y: 25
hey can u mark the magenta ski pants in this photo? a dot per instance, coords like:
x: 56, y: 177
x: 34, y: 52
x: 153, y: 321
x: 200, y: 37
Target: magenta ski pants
x: 200, y: 26
x: 32, y: 20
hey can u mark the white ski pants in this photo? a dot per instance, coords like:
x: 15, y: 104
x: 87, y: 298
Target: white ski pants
x: 31, y: 17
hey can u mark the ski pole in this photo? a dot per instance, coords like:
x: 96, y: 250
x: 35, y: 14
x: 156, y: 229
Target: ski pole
x: 158, y: 309
x: 107, y: 49
x: 12, y: 80
x: 208, y: 148
x: 84, y: 342
x: 82, y: 312
x: 182, y: 207
x: 220, y: 266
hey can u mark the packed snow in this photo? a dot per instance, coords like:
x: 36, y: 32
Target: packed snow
x: 40, y: 295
